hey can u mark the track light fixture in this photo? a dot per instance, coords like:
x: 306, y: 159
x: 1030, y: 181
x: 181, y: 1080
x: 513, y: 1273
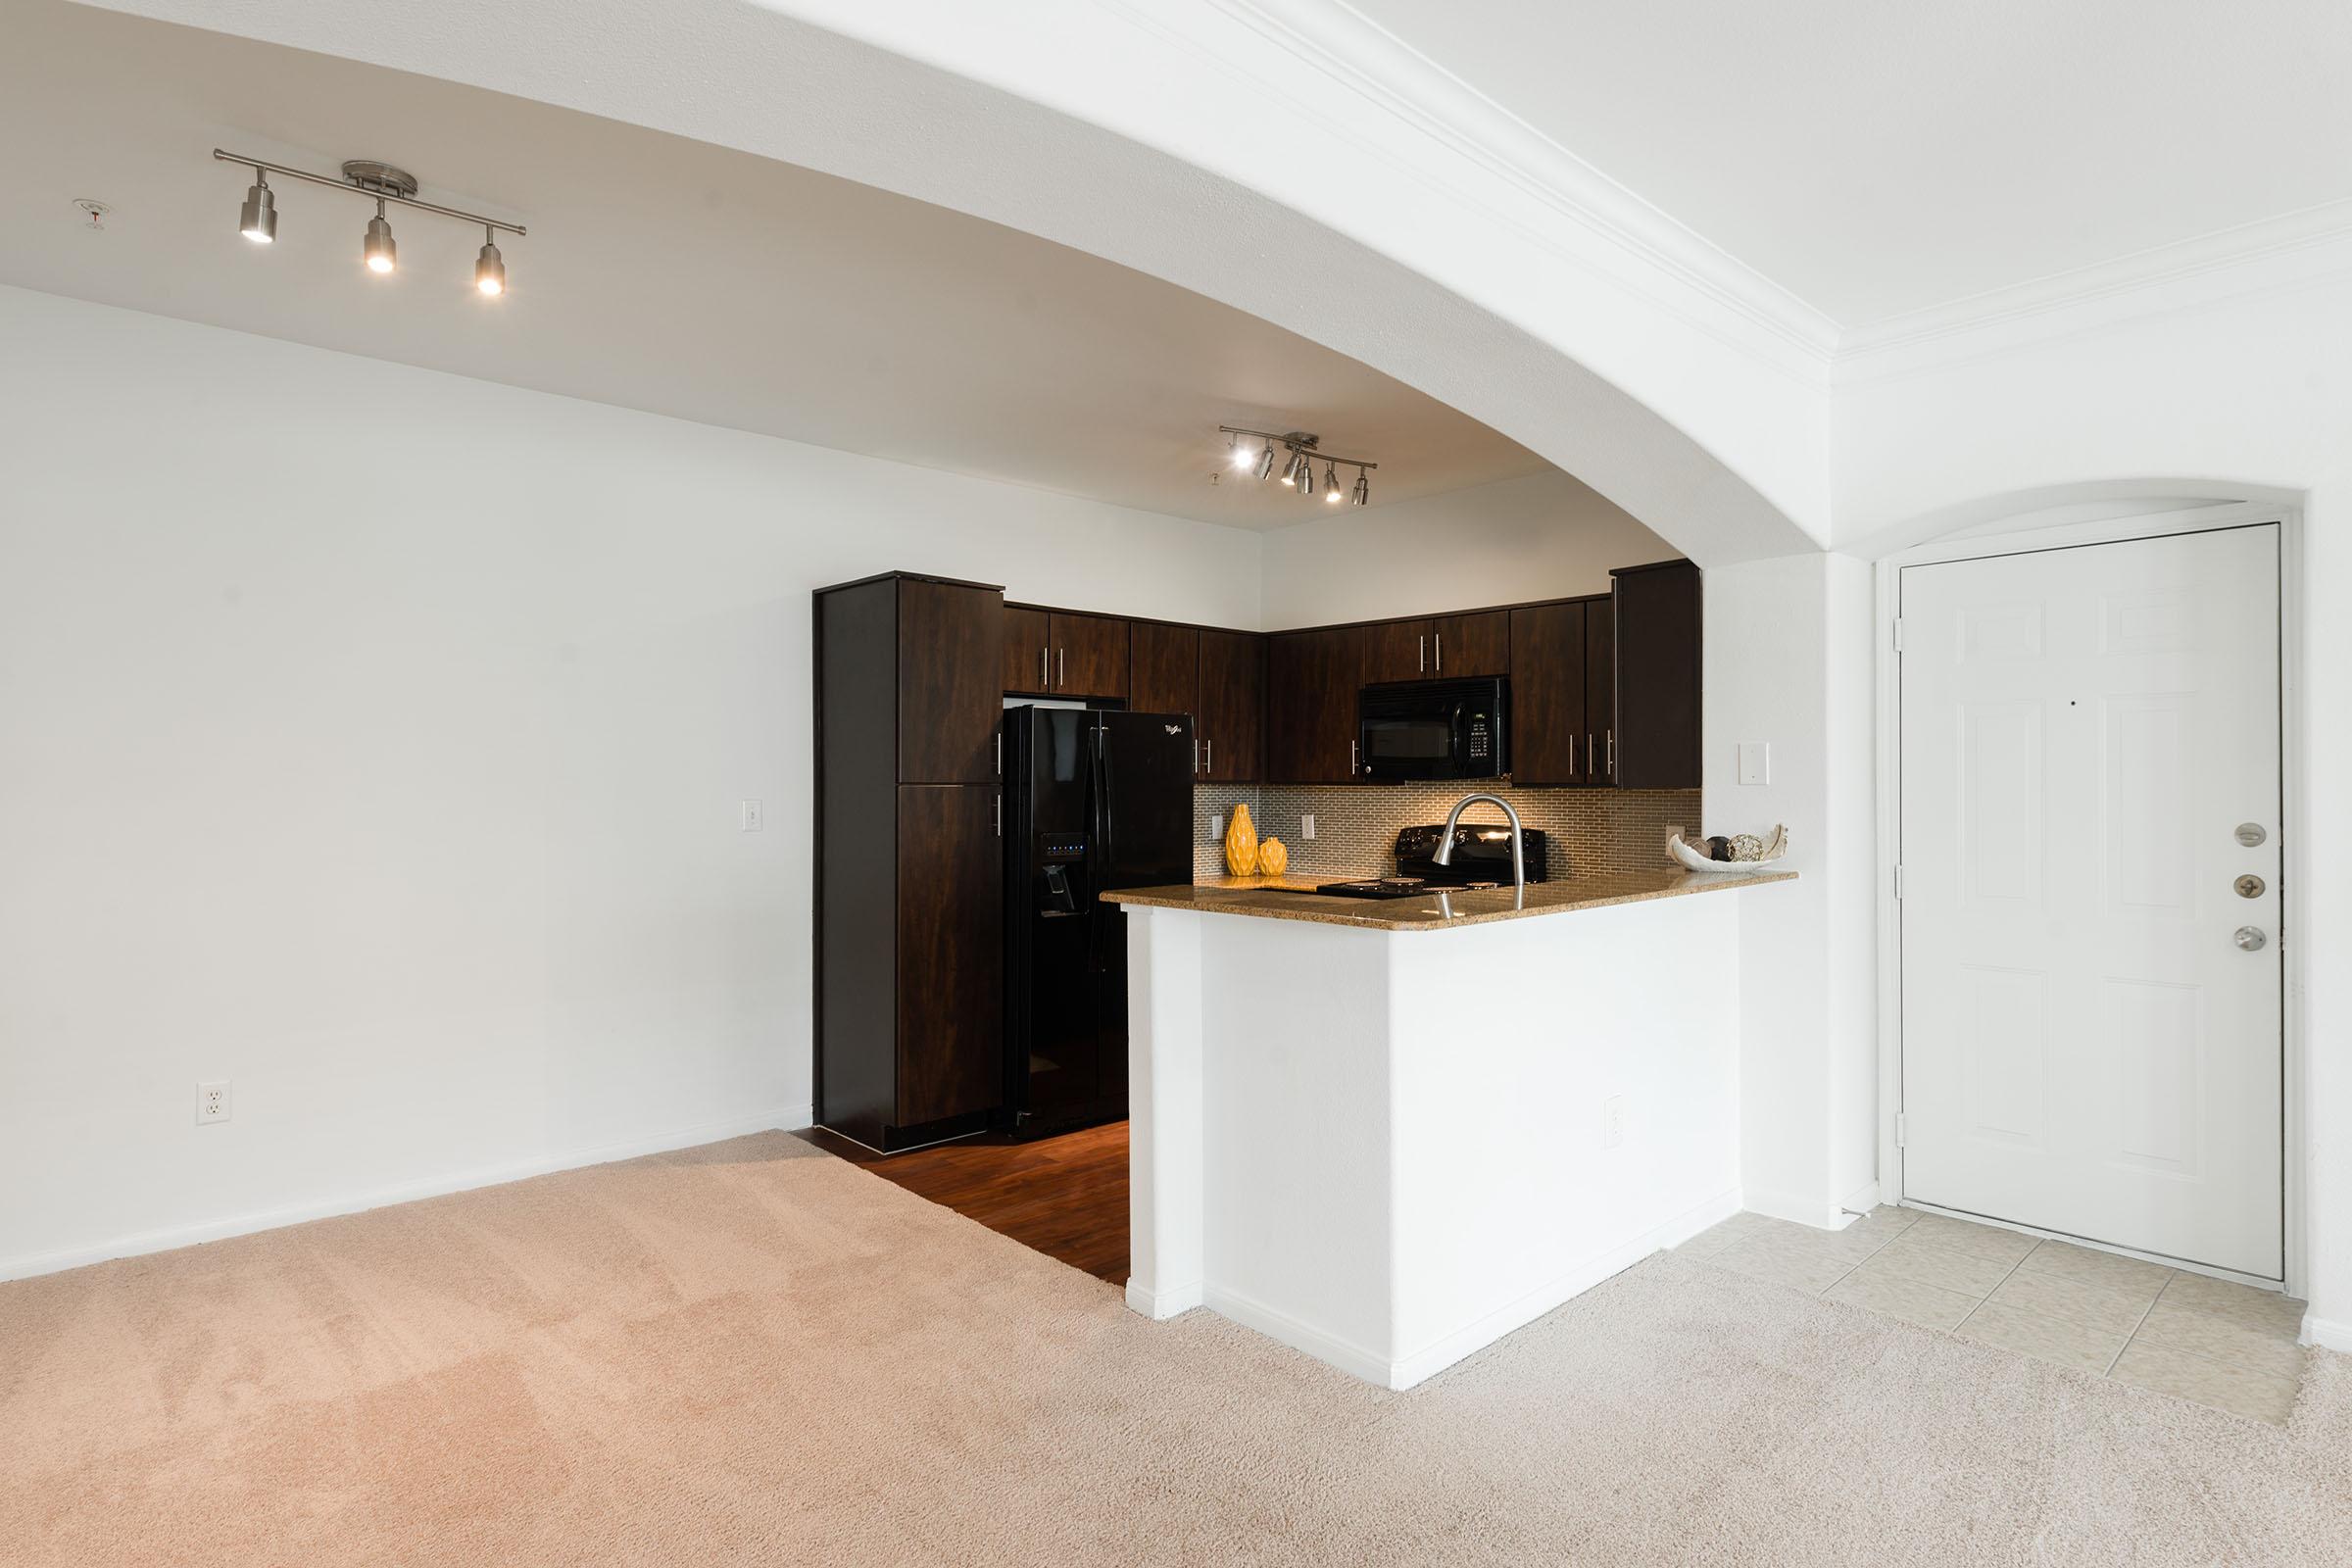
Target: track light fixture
x: 1298, y: 471
x: 256, y: 218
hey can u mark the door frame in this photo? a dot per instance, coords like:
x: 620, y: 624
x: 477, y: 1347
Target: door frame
x: 2293, y: 864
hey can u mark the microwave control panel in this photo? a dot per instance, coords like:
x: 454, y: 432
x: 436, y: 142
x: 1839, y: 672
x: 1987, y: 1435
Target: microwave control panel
x: 1482, y: 737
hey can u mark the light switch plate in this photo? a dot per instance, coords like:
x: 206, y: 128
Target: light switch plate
x: 755, y: 816
x: 1755, y: 763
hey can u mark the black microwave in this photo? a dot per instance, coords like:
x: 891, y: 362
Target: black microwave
x: 1412, y: 729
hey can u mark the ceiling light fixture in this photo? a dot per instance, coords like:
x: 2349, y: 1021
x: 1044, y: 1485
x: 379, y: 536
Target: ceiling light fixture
x: 1298, y: 471
x: 385, y: 184
x: 256, y: 219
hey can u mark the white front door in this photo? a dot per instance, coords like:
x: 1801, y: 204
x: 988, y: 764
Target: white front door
x: 2090, y: 892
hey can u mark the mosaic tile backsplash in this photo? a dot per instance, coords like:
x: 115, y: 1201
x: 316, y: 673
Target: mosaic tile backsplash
x: 1356, y: 825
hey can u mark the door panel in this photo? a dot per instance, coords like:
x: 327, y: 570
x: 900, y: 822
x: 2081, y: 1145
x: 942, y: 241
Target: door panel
x: 1312, y: 678
x: 948, y: 704
x: 1471, y: 645
x: 1547, y: 694
x: 1231, y: 723
x: 951, y: 982
x: 1028, y: 667
x: 1397, y: 650
x: 1166, y: 676
x: 1656, y: 741
x: 1090, y: 656
x: 2086, y: 1049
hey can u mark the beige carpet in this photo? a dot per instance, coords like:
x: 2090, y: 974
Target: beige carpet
x: 757, y: 1353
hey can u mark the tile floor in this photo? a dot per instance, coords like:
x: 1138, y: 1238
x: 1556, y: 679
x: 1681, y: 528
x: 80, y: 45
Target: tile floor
x: 2200, y: 1339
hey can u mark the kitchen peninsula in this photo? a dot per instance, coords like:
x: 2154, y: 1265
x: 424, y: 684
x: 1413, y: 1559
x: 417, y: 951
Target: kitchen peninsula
x: 1390, y: 1134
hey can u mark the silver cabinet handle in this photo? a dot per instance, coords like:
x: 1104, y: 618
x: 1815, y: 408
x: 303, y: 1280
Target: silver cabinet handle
x: 998, y: 817
x: 1000, y: 751
x: 1352, y: 744
x: 1590, y: 749
x: 1613, y: 738
x: 1212, y: 754
x: 1061, y: 667
x: 1440, y: 642
x: 1045, y: 670
x: 1196, y: 754
x: 1422, y: 657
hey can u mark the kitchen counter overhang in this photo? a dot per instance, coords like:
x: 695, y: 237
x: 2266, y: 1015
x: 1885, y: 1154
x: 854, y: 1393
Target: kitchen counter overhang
x: 1291, y: 898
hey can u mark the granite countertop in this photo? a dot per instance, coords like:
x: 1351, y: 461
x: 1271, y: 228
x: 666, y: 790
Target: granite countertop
x: 1293, y: 897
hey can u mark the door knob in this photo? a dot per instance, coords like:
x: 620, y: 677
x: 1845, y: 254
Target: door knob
x: 2250, y: 938
x: 2250, y: 886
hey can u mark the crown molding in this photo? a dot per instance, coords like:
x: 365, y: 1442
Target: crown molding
x: 1360, y: 55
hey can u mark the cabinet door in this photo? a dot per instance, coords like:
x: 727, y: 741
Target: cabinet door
x: 950, y: 644
x: 1600, y: 690
x: 1231, y: 724
x: 1312, y: 678
x: 1090, y: 656
x: 1027, y: 664
x: 1166, y: 678
x: 1659, y: 696
x: 1471, y: 645
x: 1397, y: 650
x: 950, y: 973
x: 1547, y: 694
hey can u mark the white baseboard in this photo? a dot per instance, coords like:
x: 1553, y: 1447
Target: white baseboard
x: 1862, y: 1200
x: 1822, y: 1216
x: 1422, y: 1364
x: 2326, y: 1334
x: 1474, y: 1337
x: 1160, y: 1306
x: 780, y: 1117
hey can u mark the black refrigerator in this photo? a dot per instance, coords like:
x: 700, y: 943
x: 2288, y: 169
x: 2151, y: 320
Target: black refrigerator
x: 1095, y: 800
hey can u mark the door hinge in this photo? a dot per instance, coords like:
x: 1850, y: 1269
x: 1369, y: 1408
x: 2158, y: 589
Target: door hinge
x: 1902, y: 1129
x: 1898, y: 883
x: 1899, y: 634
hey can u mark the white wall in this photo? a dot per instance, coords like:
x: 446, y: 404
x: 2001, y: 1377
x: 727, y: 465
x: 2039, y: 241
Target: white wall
x: 373, y: 738
x: 2235, y: 378
x: 1544, y: 536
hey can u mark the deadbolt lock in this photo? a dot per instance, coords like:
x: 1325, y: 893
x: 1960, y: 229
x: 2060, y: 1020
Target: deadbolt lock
x: 2250, y: 834
x: 2250, y: 886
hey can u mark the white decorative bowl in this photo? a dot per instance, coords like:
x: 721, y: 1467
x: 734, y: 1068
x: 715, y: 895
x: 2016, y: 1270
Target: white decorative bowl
x: 1775, y: 849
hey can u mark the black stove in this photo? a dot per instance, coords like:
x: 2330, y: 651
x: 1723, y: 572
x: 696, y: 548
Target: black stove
x: 1379, y: 887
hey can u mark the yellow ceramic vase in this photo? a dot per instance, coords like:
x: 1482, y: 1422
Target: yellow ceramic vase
x: 1272, y: 858
x: 1241, y: 843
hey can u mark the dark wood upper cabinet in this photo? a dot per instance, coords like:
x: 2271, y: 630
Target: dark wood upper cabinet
x: 1476, y: 644
x: 1656, y: 723
x: 1090, y: 656
x: 951, y: 955
x: 949, y: 638
x: 1166, y: 676
x: 1600, y: 689
x: 1312, y: 678
x: 1397, y: 649
x: 1547, y: 694
x: 1231, y: 721
x: 1028, y: 656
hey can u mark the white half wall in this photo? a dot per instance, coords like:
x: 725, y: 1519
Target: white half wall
x: 375, y: 739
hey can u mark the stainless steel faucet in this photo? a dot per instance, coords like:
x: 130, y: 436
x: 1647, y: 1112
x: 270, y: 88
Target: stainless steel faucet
x: 1444, y: 856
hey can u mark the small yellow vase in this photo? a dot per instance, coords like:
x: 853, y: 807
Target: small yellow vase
x: 1241, y: 843
x: 1272, y: 858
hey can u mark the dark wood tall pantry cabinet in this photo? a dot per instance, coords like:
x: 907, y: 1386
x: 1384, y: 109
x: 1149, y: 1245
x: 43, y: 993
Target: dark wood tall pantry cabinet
x: 909, y: 861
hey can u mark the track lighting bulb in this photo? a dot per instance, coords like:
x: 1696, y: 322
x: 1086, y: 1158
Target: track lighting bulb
x: 1331, y: 483
x: 1240, y: 457
x: 256, y: 219
x: 490, y: 268
x: 1265, y: 462
x: 383, y: 255
x: 1362, y: 496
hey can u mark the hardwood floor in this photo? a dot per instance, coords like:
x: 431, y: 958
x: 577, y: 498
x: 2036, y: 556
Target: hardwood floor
x: 1066, y: 1196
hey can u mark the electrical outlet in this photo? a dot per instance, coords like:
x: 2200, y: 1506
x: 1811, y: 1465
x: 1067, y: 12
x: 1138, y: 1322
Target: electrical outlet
x: 1216, y: 825
x: 1612, y: 1121
x: 1306, y: 825
x: 755, y: 816
x: 212, y: 1102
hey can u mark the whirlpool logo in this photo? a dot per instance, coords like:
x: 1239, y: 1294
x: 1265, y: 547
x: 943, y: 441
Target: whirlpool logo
x: 1173, y: 729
